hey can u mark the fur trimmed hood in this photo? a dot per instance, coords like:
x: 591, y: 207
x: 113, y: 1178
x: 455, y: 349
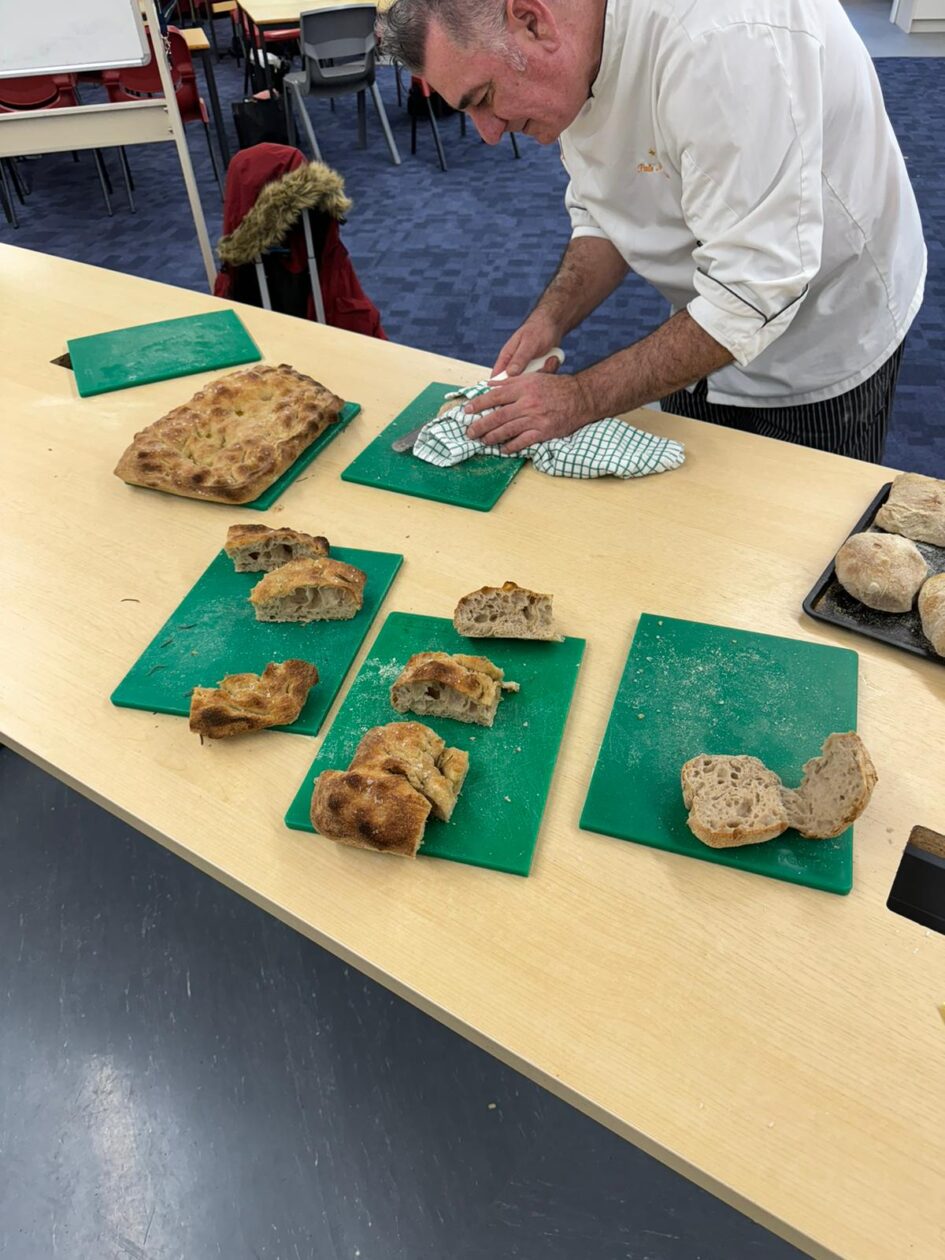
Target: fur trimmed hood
x: 314, y: 186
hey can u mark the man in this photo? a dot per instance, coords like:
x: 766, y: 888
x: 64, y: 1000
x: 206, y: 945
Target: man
x: 734, y: 153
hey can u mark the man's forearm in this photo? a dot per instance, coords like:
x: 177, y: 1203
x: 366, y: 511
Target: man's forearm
x: 589, y: 271
x: 676, y: 354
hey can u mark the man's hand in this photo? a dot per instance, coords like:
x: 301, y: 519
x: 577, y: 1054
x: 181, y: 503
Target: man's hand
x: 529, y: 409
x: 537, y: 336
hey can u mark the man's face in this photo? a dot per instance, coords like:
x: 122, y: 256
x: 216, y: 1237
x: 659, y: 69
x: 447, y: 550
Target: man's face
x: 498, y: 95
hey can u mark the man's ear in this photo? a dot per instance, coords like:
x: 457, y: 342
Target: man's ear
x: 532, y: 21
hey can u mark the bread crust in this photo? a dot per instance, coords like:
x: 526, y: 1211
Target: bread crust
x: 246, y: 546
x: 882, y: 571
x: 915, y: 508
x: 369, y: 810
x: 299, y: 575
x: 932, y: 612
x: 234, y: 438
x: 398, y: 774
x: 251, y: 702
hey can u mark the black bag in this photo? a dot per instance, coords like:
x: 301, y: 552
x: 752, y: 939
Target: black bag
x: 260, y: 121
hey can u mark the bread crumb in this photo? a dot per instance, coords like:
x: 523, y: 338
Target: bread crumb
x: 507, y: 798
x: 641, y: 715
x: 770, y: 1124
x: 524, y: 723
x: 492, y: 1106
x: 518, y: 748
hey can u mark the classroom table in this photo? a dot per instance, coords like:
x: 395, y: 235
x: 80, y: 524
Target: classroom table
x: 198, y: 43
x: 783, y: 1048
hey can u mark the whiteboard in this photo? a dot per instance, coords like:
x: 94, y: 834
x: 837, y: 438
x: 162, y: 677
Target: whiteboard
x: 54, y: 36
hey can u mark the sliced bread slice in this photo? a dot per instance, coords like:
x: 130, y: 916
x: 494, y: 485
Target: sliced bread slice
x: 259, y: 549
x: 508, y: 611
x: 309, y: 590
x: 466, y: 688
x: 732, y: 801
x: 835, y: 789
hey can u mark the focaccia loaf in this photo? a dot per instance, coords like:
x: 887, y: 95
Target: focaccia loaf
x: 252, y: 702
x: 882, y: 571
x: 508, y: 611
x: 467, y: 688
x: 738, y: 800
x: 915, y: 508
x: 234, y: 437
x: 399, y: 772
x: 309, y: 590
x: 259, y: 549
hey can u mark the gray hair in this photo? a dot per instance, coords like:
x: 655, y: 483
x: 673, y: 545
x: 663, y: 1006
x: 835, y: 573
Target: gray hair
x: 402, y: 29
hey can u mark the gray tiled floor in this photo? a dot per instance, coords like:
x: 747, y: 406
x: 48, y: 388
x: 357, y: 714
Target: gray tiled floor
x: 884, y: 39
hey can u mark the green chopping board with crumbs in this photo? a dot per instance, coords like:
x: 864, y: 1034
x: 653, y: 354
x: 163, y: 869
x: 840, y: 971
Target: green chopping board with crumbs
x: 477, y: 483
x: 214, y: 632
x: 498, y: 815
x: 691, y: 688
x: 158, y: 352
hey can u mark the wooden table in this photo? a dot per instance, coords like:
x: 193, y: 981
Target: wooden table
x: 781, y: 1047
x: 196, y: 40
x: 287, y: 12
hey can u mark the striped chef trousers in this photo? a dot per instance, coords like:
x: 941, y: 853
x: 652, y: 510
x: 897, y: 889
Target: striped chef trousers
x: 853, y: 423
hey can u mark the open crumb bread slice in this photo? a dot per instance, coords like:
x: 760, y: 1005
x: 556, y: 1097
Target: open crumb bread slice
x: 835, y: 789
x: 509, y: 611
x: 466, y: 688
x: 259, y: 549
x: 309, y: 590
x: 732, y: 801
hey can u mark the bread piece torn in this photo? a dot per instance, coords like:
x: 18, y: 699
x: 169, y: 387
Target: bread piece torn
x: 259, y: 549
x: 466, y: 688
x: 309, y: 590
x: 251, y: 702
x: 398, y: 774
x: 508, y: 611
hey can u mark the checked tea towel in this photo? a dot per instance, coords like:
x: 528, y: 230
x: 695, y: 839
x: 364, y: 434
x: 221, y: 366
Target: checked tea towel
x: 604, y: 448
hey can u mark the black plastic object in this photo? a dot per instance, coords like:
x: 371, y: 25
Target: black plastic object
x: 828, y: 601
x: 918, y: 891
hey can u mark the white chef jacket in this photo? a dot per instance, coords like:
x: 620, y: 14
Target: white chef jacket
x: 738, y: 155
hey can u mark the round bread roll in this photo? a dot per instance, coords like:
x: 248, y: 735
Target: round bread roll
x: 883, y: 571
x: 932, y: 612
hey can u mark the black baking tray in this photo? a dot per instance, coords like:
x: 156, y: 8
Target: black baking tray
x: 828, y: 601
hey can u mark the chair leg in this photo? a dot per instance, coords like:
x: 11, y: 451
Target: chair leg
x: 126, y: 176
x: 103, y: 180
x: 18, y: 185
x: 6, y: 196
x: 291, y: 130
x: 436, y: 134
x: 515, y: 148
x: 108, y: 178
x: 263, y: 285
x: 400, y: 90
x: 307, y: 124
x: 362, y: 121
x: 213, y: 161
x: 382, y: 115
x: 313, y: 270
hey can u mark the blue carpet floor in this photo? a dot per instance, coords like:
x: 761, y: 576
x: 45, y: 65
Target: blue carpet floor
x: 455, y: 260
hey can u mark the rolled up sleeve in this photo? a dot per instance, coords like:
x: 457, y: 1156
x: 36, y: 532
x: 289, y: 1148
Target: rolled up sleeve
x: 583, y: 222
x: 747, y: 122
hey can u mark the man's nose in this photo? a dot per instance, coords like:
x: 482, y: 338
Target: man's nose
x: 491, y: 129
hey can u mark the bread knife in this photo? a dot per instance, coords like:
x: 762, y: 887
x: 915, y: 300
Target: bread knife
x: 405, y: 443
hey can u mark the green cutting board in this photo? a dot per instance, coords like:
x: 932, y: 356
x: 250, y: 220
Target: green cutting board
x: 477, y: 483
x: 157, y: 352
x: 498, y: 816
x: 691, y: 688
x: 214, y: 632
